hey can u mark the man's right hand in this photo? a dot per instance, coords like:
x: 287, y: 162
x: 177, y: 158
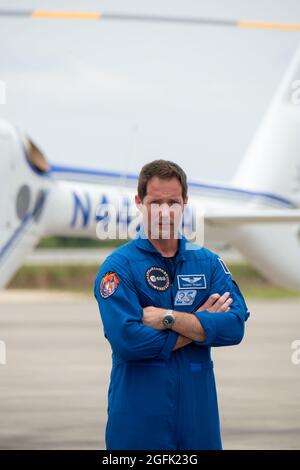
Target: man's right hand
x: 217, y: 303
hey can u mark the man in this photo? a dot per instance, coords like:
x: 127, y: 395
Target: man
x: 163, y: 306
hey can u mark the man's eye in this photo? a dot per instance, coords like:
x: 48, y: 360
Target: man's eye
x: 170, y: 203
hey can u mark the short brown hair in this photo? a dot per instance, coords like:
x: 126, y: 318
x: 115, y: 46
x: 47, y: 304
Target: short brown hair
x: 164, y: 169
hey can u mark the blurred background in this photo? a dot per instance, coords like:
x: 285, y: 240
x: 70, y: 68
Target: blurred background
x: 113, y: 95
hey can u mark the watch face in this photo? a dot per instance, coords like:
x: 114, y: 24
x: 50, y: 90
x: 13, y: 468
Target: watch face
x: 168, y: 320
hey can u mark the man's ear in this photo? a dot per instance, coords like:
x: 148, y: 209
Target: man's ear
x: 138, y: 201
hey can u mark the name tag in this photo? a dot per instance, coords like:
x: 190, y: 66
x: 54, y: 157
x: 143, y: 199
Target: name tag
x: 191, y: 281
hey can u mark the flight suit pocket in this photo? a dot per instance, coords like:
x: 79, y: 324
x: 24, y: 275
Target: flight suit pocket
x: 201, y: 365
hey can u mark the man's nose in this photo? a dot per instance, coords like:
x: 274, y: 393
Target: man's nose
x: 165, y: 211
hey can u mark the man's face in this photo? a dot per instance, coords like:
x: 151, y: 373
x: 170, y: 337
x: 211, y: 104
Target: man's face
x: 162, y: 207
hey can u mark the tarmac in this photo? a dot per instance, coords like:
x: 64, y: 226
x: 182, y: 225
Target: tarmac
x: 53, y: 387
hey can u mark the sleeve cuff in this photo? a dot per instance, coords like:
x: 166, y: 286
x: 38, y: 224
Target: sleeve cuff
x: 209, y: 325
x: 170, y: 342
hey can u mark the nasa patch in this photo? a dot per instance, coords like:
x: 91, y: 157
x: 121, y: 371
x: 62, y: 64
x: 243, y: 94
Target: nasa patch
x: 185, y: 297
x: 157, y: 278
x: 109, y: 284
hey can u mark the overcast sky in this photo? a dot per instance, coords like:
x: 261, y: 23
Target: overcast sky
x: 113, y: 95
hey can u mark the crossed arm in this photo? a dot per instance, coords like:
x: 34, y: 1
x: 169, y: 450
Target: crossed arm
x: 187, y: 325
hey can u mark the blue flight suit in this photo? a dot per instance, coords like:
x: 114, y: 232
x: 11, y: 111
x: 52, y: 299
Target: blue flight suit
x: 159, y: 398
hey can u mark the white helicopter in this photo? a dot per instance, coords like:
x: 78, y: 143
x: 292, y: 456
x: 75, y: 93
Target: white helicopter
x: 258, y: 213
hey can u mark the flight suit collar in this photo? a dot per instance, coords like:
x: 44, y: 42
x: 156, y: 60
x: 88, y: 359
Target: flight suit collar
x: 141, y: 240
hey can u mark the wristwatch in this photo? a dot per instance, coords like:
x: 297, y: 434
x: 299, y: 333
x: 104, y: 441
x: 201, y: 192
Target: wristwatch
x: 168, y: 319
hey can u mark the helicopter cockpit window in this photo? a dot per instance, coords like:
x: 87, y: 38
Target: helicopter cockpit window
x: 35, y: 156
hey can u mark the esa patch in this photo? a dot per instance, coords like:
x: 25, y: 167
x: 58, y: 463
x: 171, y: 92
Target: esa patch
x: 185, y: 297
x: 191, y: 281
x: 157, y: 278
x: 109, y: 284
x: 224, y: 266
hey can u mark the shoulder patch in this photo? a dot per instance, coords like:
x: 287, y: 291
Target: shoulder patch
x: 222, y: 263
x: 109, y: 284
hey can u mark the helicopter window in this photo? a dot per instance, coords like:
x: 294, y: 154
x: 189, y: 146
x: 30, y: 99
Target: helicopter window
x: 36, y: 157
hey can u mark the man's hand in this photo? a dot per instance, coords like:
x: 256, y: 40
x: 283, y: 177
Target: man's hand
x: 217, y: 303
x: 153, y: 316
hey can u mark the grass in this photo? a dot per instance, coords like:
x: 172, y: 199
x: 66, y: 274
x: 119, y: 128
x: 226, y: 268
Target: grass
x: 81, y: 279
x: 76, y: 242
x: 67, y: 278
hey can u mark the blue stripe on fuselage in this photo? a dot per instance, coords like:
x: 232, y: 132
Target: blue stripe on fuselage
x: 213, y: 188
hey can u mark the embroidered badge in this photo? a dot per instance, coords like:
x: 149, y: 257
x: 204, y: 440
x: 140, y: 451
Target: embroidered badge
x: 191, y: 281
x: 185, y: 297
x: 224, y: 266
x: 109, y: 284
x: 157, y: 278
